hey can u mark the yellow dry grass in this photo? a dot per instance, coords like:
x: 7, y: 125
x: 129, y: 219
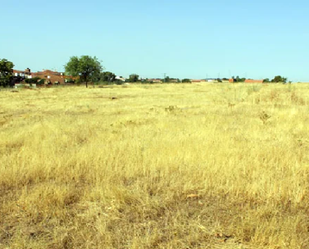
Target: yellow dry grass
x: 155, y: 166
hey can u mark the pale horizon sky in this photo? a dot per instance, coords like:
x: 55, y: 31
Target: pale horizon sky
x: 184, y: 39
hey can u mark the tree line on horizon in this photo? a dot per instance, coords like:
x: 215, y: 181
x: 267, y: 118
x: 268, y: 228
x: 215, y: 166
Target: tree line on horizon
x: 88, y: 69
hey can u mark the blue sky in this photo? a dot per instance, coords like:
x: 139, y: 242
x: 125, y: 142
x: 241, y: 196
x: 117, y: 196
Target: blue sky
x: 184, y: 39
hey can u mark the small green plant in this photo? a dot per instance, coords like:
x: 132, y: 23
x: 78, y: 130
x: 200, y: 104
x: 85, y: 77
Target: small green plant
x: 41, y: 82
x: 264, y: 117
x: 32, y: 80
x: 171, y: 108
x: 69, y: 80
x: 186, y: 81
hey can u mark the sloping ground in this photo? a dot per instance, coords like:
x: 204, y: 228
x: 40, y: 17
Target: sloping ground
x: 155, y: 166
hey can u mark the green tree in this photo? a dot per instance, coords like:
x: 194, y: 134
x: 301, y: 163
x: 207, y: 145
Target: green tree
x: 6, y: 72
x: 278, y: 79
x: 86, y: 67
x: 166, y: 79
x: 107, y: 76
x: 32, y: 80
x: 238, y: 79
x: 266, y: 80
x: 133, y: 78
x: 186, y: 81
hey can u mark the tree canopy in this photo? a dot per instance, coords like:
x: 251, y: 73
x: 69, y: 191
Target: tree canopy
x: 238, y: 79
x: 167, y: 79
x: 107, y: 76
x: 133, y: 78
x: 86, y: 67
x: 186, y: 81
x: 276, y: 79
x: 6, y: 72
x: 279, y: 78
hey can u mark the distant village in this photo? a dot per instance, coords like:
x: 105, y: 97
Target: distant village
x: 49, y: 77
x: 43, y: 77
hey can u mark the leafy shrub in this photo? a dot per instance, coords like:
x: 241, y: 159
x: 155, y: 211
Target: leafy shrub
x: 238, y: 79
x: 278, y: 79
x: 69, y: 81
x: 133, y: 78
x: 186, y: 81
x: 120, y: 82
x: 32, y: 80
x: 107, y: 76
x: 41, y: 82
x: 78, y: 81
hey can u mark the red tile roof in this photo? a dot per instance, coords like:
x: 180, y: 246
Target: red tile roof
x: 18, y: 71
x: 50, y: 75
x: 253, y: 81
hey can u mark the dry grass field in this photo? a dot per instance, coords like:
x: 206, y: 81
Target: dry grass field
x: 155, y: 166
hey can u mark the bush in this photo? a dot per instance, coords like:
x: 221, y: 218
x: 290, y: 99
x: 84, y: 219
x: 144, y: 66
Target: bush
x: 278, y: 79
x: 32, y: 80
x: 120, y: 82
x: 133, y: 78
x: 186, y: 81
x: 69, y: 81
x: 238, y: 79
x: 41, y: 82
x: 78, y: 81
x: 146, y: 81
x: 101, y: 82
